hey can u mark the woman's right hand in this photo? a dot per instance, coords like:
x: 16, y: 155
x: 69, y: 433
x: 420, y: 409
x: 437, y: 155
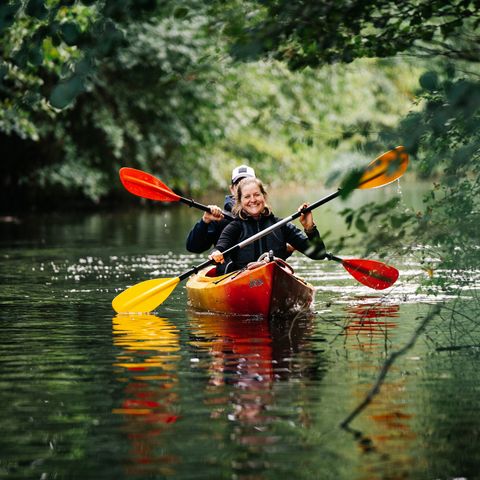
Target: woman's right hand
x: 217, y: 256
x: 215, y: 214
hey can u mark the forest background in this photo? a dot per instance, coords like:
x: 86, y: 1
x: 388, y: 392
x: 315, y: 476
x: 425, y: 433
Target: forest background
x: 300, y: 90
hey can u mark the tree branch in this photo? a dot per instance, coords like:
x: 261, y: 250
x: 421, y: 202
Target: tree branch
x: 388, y: 363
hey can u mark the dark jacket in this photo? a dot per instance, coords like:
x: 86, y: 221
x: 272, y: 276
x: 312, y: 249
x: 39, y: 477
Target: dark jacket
x: 205, y: 235
x: 239, y: 230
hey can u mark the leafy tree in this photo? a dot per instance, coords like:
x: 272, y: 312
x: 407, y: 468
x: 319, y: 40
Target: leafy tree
x: 442, y: 134
x: 310, y: 33
x: 291, y: 126
x: 89, y: 86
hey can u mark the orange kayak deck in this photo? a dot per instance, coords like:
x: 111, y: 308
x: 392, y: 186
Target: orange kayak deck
x: 269, y: 289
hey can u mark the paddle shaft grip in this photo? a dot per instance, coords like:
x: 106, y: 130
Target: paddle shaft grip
x: 199, y: 206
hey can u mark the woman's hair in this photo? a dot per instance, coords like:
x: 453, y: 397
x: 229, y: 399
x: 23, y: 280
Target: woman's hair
x: 237, y: 208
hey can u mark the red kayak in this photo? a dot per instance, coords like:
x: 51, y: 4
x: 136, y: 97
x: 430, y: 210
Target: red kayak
x: 268, y: 289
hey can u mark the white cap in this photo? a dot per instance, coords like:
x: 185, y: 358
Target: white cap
x: 241, y: 172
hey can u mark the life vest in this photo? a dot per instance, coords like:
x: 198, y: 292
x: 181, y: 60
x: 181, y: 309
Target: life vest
x: 274, y: 241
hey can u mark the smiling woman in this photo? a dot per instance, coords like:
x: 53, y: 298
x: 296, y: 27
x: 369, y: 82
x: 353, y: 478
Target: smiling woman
x: 250, y: 199
x: 253, y: 216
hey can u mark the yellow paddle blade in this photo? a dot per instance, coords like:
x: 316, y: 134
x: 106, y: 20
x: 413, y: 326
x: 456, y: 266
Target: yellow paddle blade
x: 385, y: 169
x: 144, y: 296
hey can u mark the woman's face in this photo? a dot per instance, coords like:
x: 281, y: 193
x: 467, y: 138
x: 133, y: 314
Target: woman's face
x: 252, y: 200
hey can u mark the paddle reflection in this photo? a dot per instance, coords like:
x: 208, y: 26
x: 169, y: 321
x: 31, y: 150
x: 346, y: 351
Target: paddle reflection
x: 147, y: 367
x: 387, y: 422
x: 369, y: 323
x: 248, y: 355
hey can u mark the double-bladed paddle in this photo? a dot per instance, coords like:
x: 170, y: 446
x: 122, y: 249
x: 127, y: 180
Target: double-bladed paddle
x: 145, y: 185
x: 148, y: 295
x: 380, y: 172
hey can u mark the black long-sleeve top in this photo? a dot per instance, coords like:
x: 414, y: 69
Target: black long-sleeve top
x: 204, y: 235
x: 238, y: 230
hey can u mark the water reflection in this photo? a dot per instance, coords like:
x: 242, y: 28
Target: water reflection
x: 248, y: 357
x: 386, y: 427
x: 147, y: 367
x: 368, y: 323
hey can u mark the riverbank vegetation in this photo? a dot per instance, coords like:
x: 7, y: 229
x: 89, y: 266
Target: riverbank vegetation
x: 88, y: 87
x: 296, y: 89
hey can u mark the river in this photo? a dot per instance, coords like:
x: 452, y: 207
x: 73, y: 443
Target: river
x: 184, y: 395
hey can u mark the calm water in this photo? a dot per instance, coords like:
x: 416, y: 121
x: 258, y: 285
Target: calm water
x: 182, y: 395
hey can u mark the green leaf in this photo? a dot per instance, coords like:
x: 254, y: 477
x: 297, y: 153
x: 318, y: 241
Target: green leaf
x: 361, y: 225
x: 35, y: 56
x: 429, y: 81
x: 65, y: 92
x: 7, y: 15
x: 37, y: 9
x: 181, y: 12
x: 350, y: 183
x: 70, y: 33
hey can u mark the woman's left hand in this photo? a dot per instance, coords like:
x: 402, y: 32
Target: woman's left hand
x: 306, y: 219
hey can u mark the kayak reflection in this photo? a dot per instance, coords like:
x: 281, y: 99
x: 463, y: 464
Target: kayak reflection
x: 147, y: 358
x: 249, y: 356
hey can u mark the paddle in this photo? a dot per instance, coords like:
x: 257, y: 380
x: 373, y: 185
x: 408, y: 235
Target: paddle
x: 147, y: 295
x: 373, y: 274
x: 145, y: 185
x: 380, y: 172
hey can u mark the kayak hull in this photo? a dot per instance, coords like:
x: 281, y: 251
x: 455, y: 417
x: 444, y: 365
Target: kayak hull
x: 269, y: 289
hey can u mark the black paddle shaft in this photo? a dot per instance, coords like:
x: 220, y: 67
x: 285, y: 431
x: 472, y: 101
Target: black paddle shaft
x: 199, y: 206
x: 261, y: 234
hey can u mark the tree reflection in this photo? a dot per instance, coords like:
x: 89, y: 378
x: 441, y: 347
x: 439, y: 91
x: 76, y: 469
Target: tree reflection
x: 369, y: 322
x: 388, y: 420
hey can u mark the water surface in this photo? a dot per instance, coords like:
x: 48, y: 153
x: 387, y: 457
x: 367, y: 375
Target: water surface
x: 181, y: 394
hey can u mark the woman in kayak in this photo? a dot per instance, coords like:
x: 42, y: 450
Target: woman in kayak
x: 254, y: 215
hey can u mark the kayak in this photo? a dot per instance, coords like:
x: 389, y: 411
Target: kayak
x: 268, y: 289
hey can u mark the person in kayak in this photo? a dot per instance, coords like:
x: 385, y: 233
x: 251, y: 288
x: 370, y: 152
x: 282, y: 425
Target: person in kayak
x: 254, y: 215
x: 207, y: 230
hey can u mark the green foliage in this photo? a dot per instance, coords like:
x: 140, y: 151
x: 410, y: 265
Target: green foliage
x: 88, y: 87
x: 444, y: 138
x: 310, y: 33
x: 292, y: 126
x: 441, y: 133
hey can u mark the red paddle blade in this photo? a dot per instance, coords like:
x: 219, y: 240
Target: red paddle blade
x: 145, y: 185
x: 371, y: 273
